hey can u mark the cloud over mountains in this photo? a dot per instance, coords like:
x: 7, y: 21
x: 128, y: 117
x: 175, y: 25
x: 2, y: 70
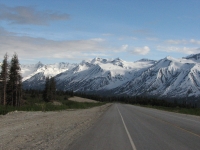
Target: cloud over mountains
x: 29, y: 15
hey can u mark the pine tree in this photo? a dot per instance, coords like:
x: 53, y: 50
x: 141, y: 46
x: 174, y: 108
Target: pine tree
x: 46, y: 90
x: 49, y: 92
x: 4, y: 79
x: 15, y: 82
x: 52, y: 89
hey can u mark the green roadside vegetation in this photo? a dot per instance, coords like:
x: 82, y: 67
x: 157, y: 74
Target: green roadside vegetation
x: 35, y: 102
x: 13, y: 97
x: 173, y: 106
x: 189, y: 111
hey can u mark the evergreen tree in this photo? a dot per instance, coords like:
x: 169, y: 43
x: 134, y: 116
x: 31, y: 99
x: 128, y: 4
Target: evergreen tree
x: 52, y: 89
x: 4, y: 79
x: 46, y: 90
x: 49, y: 92
x: 15, y: 82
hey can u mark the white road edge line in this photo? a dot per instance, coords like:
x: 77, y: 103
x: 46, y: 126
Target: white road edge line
x: 129, y: 136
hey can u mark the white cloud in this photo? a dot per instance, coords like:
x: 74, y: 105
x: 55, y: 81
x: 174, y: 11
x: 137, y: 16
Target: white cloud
x: 140, y: 50
x: 176, y: 42
x: 32, y: 48
x: 186, y: 50
x: 152, y: 39
x: 107, y: 34
x: 29, y: 48
x: 179, y: 42
x: 143, y: 32
x: 134, y: 38
x: 181, y: 46
x: 193, y: 41
x: 29, y: 15
x: 124, y: 47
x: 127, y: 38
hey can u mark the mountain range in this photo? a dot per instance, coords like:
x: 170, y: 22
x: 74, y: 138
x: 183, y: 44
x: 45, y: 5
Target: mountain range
x: 166, y: 78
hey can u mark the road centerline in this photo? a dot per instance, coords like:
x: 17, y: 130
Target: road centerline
x: 129, y: 136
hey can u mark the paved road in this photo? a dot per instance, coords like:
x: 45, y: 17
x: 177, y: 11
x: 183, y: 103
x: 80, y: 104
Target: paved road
x: 128, y: 127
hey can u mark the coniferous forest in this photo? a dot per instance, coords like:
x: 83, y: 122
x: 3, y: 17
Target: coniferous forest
x: 10, y: 82
x: 12, y: 95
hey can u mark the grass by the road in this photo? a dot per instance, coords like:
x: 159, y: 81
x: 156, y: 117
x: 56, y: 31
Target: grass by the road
x: 36, y: 104
x: 49, y: 107
x: 190, y: 111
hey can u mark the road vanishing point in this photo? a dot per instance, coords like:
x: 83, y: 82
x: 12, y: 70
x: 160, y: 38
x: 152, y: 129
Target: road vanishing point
x: 129, y: 127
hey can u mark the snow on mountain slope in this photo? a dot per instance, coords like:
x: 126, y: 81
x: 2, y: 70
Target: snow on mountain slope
x: 169, y: 77
x: 193, y: 57
x: 34, y: 75
x: 96, y: 74
x: 99, y: 74
x: 27, y: 70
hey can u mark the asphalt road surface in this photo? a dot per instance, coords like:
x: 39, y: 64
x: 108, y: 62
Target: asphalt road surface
x: 128, y: 127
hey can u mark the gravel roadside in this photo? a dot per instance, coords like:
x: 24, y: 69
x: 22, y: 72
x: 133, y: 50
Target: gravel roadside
x: 46, y: 130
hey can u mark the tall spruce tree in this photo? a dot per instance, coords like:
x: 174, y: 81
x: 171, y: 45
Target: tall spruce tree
x: 4, y: 79
x: 49, y: 92
x: 46, y: 90
x: 52, y: 89
x: 15, y: 82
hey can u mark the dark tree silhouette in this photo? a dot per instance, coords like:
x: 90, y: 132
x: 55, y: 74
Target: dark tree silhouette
x: 14, y: 89
x: 4, y: 79
x: 49, y: 93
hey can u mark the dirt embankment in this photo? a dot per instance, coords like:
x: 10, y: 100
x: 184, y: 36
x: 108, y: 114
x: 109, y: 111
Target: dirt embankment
x: 46, y: 130
x: 79, y: 99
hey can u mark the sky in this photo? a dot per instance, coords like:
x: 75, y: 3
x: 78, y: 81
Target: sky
x: 54, y: 31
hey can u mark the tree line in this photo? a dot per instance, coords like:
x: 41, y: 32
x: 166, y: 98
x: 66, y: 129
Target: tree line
x: 138, y: 100
x: 49, y: 92
x: 10, y: 82
x: 11, y: 90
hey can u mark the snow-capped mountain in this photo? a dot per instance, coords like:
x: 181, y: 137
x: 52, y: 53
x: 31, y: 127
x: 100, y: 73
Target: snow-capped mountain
x: 168, y: 77
x: 193, y: 57
x: 99, y: 74
x: 28, y: 70
x: 96, y: 74
x: 34, y: 75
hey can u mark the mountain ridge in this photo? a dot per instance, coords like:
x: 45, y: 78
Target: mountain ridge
x: 167, y: 78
